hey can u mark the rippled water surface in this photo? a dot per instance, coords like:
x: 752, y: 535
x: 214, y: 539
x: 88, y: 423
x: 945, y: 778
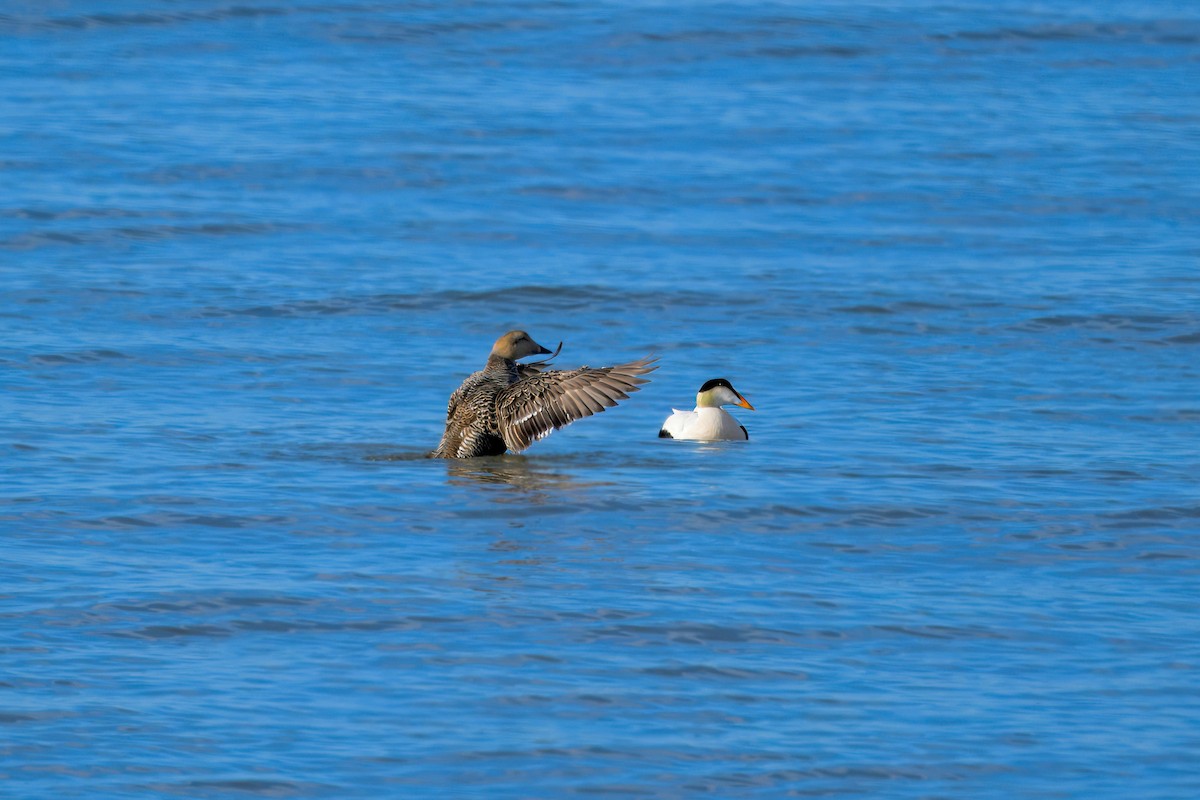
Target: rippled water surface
x: 949, y: 251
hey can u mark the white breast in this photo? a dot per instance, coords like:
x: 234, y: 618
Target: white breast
x: 706, y: 424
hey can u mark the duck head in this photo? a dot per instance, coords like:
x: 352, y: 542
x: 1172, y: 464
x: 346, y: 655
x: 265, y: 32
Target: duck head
x: 517, y: 344
x: 720, y: 392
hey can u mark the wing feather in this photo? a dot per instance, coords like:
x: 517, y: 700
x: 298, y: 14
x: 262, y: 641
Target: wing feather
x: 543, y: 402
x: 600, y: 398
x: 592, y: 399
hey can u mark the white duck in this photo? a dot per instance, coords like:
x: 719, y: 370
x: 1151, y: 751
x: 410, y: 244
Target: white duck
x: 709, y: 421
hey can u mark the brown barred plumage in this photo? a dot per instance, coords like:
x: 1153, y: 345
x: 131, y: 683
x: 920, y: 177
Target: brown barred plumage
x: 509, y: 406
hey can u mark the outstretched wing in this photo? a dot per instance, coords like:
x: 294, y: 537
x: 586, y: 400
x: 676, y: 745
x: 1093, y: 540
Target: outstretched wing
x: 534, y: 407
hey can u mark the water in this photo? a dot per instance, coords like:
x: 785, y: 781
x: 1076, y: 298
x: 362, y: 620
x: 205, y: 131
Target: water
x: 948, y: 251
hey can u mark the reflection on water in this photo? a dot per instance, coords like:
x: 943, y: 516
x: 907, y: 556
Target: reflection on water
x: 536, y: 479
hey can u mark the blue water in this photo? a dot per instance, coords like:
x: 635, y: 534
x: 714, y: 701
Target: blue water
x: 949, y: 251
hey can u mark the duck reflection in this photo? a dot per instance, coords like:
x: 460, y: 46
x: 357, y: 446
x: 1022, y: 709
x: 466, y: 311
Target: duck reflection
x: 517, y: 472
x: 536, y: 481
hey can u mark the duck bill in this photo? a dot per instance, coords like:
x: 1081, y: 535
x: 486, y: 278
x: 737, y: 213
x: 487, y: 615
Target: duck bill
x: 745, y: 403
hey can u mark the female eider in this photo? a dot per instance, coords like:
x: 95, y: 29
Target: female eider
x: 709, y: 422
x: 509, y: 406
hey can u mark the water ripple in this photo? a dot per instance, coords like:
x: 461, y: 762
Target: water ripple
x: 248, y: 250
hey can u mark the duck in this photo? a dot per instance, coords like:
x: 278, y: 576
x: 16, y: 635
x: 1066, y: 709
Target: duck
x: 709, y: 422
x: 509, y: 406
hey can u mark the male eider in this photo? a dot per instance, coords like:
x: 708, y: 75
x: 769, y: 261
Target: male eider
x: 709, y: 422
x: 509, y: 406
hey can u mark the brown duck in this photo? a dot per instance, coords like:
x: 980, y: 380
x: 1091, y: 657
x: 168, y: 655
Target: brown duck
x: 509, y: 406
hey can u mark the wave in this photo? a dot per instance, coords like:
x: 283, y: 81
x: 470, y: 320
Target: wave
x: 1169, y: 32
